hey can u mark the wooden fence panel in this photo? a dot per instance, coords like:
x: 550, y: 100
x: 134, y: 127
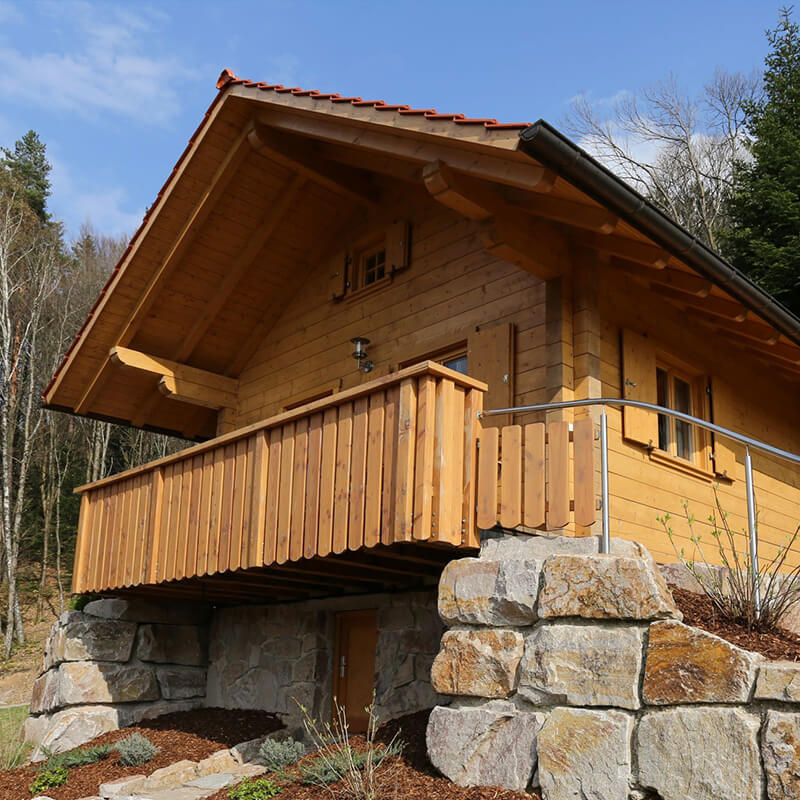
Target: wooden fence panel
x: 528, y: 471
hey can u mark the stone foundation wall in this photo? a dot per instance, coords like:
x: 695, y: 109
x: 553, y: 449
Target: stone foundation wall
x: 113, y: 664
x: 572, y: 672
x: 268, y: 657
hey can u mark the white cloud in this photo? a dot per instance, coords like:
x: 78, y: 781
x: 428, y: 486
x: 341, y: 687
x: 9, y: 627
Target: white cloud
x: 105, y: 68
x: 107, y: 208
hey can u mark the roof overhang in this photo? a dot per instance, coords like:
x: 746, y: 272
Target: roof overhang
x: 222, y: 249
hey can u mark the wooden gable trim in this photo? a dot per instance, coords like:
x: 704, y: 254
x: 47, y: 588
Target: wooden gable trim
x: 214, y: 190
x: 502, y: 168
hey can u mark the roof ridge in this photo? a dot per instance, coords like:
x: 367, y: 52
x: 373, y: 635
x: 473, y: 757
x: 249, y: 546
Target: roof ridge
x: 229, y: 78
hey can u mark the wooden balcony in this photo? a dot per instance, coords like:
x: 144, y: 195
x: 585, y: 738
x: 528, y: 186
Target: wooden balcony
x: 379, y: 467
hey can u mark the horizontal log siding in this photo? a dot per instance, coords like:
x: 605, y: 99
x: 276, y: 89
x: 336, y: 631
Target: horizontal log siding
x: 380, y: 464
x: 756, y: 404
x: 452, y: 286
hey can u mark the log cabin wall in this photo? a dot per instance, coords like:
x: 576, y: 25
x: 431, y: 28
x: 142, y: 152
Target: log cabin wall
x: 452, y: 290
x: 746, y: 396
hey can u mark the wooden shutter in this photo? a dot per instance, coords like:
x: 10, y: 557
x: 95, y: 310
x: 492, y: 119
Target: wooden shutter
x: 639, y: 383
x: 397, y: 246
x: 337, y: 275
x: 490, y: 358
x: 724, y: 455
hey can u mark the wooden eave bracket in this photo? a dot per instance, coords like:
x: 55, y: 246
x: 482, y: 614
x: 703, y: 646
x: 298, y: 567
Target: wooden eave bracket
x: 179, y: 381
x: 505, y: 232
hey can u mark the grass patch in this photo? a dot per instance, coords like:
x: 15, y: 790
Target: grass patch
x: 13, y: 751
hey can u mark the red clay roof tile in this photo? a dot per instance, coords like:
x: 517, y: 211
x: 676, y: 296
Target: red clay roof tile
x: 229, y: 78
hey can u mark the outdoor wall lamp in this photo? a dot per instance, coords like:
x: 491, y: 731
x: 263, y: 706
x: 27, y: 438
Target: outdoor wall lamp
x: 360, y: 354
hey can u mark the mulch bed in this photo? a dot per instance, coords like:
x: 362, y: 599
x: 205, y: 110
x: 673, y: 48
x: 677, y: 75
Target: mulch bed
x: 187, y: 734
x: 412, y: 775
x: 698, y: 610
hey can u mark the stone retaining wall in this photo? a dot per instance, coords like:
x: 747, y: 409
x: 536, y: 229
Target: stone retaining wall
x: 272, y: 657
x: 572, y: 672
x: 116, y: 663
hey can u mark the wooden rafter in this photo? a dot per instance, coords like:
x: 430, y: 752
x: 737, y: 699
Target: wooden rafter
x: 205, y: 204
x: 629, y: 249
x: 352, y: 184
x: 713, y: 304
x: 577, y: 215
x: 418, y: 149
x: 179, y: 381
x: 680, y: 281
x: 754, y: 330
x: 241, y: 263
x: 505, y: 232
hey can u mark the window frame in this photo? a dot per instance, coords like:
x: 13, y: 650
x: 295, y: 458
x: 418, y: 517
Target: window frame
x: 359, y: 253
x: 700, y: 462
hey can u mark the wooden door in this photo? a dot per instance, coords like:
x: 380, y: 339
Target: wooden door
x: 354, y: 667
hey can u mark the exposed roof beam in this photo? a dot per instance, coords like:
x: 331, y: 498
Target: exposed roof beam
x: 678, y: 280
x: 418, y: 149
x: 578, y: 215
x: 753, y: 329
x: 300, y: 158
x: 269, y: 222
x: 166, y: 367
x: 713, y: 304
x: 205, y: 204
x: 629, y: 249
x: 505, y: 232
x: 241, y: 263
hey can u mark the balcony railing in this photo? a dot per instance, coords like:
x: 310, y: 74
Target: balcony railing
x: 392, y: 460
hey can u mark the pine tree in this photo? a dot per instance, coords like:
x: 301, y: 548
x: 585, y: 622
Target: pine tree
x: 28, y: 169
x: 764, y: 205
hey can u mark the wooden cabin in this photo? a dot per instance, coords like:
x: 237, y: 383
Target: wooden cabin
x: 467, y: 265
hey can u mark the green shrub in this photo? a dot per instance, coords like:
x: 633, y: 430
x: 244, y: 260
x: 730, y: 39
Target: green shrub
x: 79, y: 758
x: 79, y: 601
x: 334, y: 765
x: 48, y: 779
x: 254, y: 789
x: 136, y: 750
x: 279, y: 755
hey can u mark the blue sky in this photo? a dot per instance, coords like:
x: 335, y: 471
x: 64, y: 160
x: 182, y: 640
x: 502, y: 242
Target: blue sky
x: 115, y: 89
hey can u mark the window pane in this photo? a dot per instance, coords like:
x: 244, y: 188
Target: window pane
x: 662, y: 385
x: 683, y: 430
x: 459, y: 364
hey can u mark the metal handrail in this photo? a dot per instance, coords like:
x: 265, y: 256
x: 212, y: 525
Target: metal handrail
x: 747, y: 441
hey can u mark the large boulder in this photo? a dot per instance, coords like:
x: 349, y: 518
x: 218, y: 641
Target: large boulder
x: 139, y: 609
x: 688, y: 665
x: 778, y: 680
x: 492, y: 745
x: 518, y: 547
x: 478, y: 663
x: 178, y: 683
x: 85, y: 682
x: 700, y: 753
x: 172, y: 644
x: 604, y: 587
x: 80, y: 637
x: 585, y: 665
x: 585, y: 754
x: 780, y: 749
x: 475, y: 591
x: 70, y: 728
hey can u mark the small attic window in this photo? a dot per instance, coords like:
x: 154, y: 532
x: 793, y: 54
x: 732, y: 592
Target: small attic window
x: 372, y: 266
